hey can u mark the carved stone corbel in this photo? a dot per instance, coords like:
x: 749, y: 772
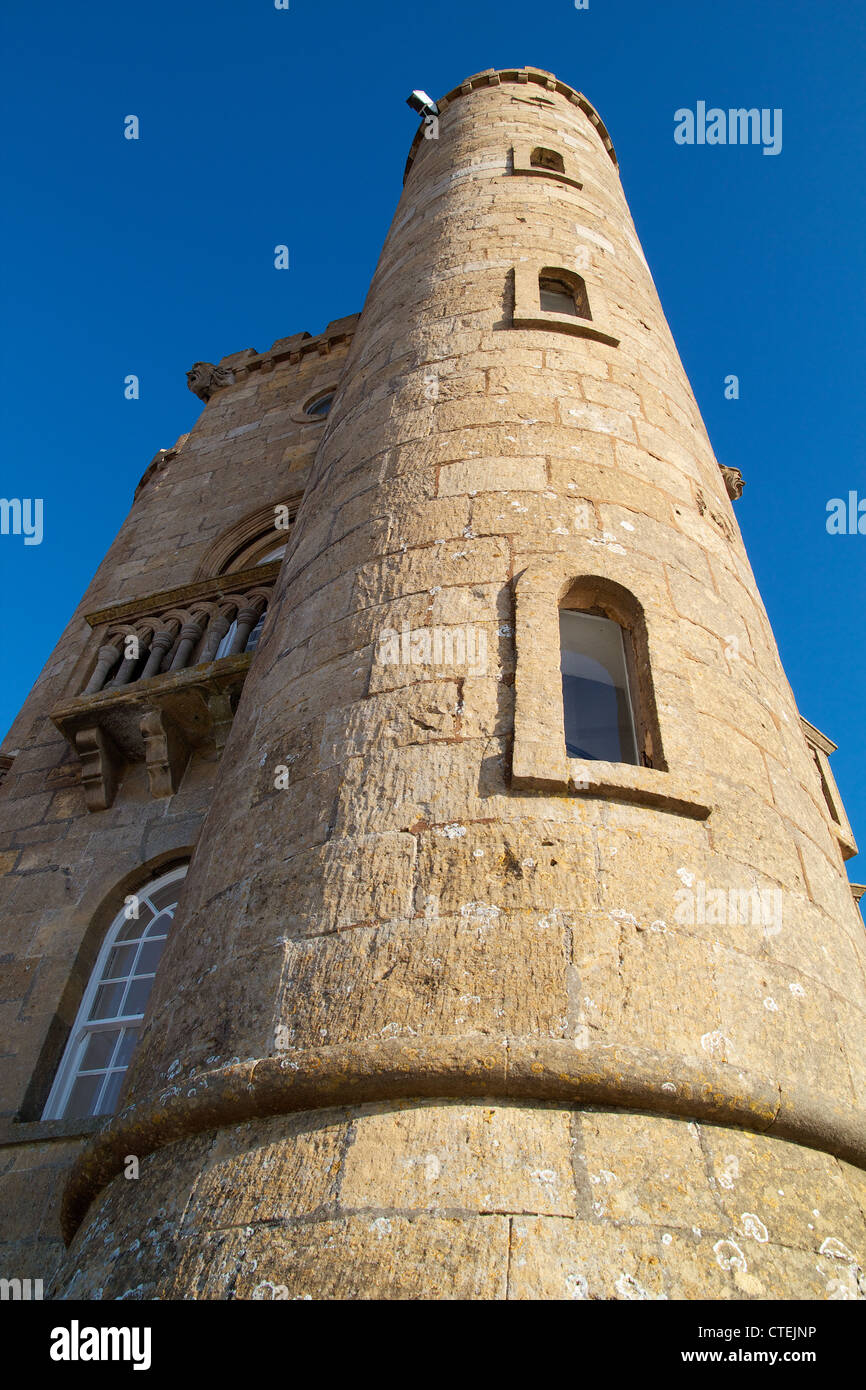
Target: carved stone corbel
x: 166, y: 752
x: 733, y: 481
x: 222, y: 715
x: 100, y: 767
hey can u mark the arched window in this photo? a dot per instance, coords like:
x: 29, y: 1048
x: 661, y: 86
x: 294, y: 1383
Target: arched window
x: 563, y: 292
x: 542, y: 158
x: 596, y: 697
x: 108, y: 1024
x: 258, y: 539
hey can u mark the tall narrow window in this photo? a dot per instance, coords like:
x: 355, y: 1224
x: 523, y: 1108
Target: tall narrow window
x: 597, y: 700
x: 562, y: 292
x: 108, y: 1025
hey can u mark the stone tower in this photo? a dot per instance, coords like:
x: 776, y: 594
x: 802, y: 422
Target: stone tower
x: 472, y: 992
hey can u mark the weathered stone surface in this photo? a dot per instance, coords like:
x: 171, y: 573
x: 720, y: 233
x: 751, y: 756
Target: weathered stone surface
x: 403, y: 882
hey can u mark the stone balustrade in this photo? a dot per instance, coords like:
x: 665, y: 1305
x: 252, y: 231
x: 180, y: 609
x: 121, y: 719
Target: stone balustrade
x: 144, y: 645
x: 164, y: 680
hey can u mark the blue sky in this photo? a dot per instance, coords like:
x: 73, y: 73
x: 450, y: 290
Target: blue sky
x: 261, y: 126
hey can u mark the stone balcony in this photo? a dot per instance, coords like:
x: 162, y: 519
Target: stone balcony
x: 165, y: 679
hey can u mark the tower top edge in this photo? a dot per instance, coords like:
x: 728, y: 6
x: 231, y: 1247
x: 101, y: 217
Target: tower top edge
x: 494, y: 77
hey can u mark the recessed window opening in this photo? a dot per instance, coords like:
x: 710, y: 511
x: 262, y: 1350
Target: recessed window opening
x: 108, y: 1024
x: 542, y: 158
x: 597, y: 701
x: 561, y: 292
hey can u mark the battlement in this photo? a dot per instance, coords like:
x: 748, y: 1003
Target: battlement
x: 203, y: 378
x: 493, y: 77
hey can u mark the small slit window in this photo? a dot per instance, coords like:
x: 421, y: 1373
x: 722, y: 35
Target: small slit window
x: 560, y: 292
x: 542, y: 158
x: 596, y: 695
x: 108, y: 1025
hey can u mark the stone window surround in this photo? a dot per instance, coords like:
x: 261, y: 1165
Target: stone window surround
x: 539, y: 759
x: 528, y: 312
x: 821, y: 747
x: 300, y: 417
x: 232, y: 549
x: 521, y: 153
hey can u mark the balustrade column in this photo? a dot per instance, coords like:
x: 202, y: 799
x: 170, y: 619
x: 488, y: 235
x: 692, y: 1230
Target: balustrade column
x: 124, y: 671
x: 108, y: 655
x: 162, y: 643
x: 247, y: 619
x: 190, y: 636
x: 217, y: 629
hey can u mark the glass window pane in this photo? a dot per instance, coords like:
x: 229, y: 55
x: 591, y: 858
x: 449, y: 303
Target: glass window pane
x: 272, y: 555
x: 166, y: 896
x: 132, y: 930
x: 137, y: 996
x: 83, y: 1095
x: 106, y: 1004
x: 99, y: 1050
x: 108, y: 1099
x: 253, y: 639
x: 556, y: 296
x: 159, y: 926
x: 127, y: 1046
x: 599, y: 722
x: 223, y: 648
x: 149, y: 957
x: 119, y: 963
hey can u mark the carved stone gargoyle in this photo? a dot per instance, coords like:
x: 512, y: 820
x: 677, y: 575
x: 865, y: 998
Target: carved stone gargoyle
x: 203, y: 378
x: 733, y: 481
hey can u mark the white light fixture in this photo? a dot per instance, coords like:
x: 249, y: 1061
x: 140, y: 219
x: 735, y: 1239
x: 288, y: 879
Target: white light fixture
x: 424, y: 105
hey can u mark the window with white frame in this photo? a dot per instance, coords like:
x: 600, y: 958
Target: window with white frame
x: 108, y: 1024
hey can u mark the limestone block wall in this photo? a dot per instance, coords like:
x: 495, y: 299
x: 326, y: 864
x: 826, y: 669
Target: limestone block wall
x: 64, y: 871
x: 437, y: 1022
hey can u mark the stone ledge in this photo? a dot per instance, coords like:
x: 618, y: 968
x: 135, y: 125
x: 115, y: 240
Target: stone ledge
x: 564, y: 323
x: 642, y: 786
x: 636, y: 1079
x: 541, y: 767
x: 48, y: 1131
